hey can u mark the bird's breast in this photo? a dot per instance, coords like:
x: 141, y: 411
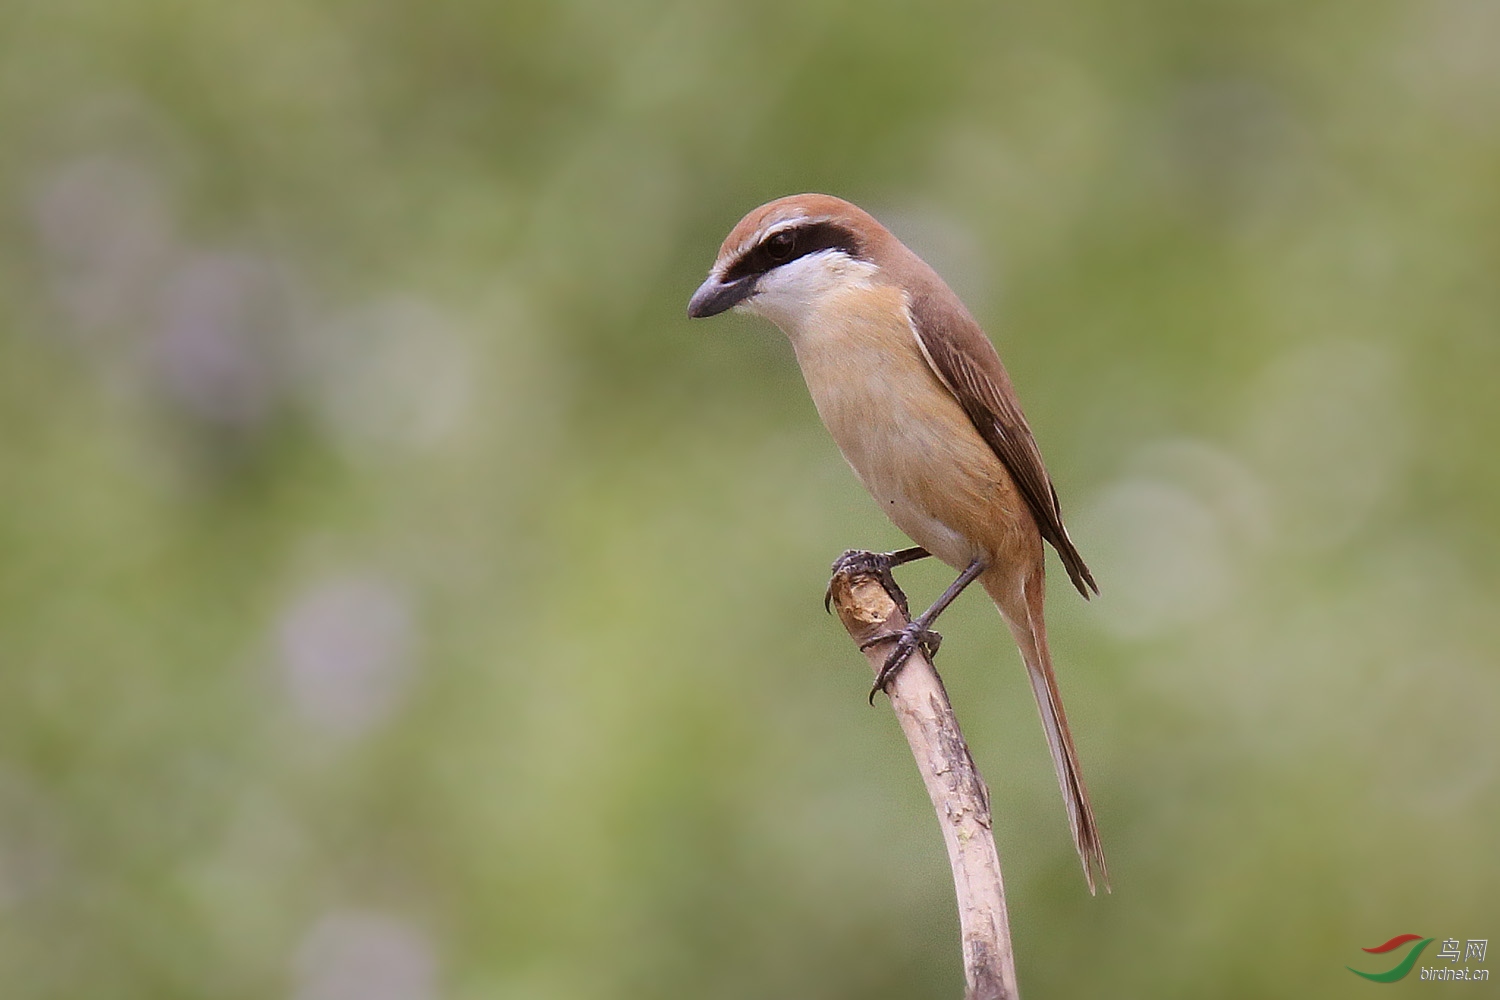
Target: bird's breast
x: 901, y: 430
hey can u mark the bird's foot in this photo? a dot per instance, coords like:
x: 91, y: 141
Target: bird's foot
x: 915, y: 636
x: 878, y: 565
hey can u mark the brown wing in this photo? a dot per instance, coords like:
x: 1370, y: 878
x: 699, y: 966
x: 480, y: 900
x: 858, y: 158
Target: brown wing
x: 968, y: 365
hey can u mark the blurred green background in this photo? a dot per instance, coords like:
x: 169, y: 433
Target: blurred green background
x: 400, y: 599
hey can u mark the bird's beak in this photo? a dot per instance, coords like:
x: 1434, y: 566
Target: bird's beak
x: 715, y: 296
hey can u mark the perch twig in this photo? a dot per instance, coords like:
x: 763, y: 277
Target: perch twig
x: 958, y: 793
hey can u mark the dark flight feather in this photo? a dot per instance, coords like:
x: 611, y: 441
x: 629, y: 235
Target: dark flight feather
x: 969, y: 366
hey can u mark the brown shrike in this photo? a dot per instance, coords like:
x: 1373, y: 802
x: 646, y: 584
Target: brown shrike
x: 915, y: 396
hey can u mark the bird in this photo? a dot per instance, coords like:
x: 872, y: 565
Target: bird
x: 921, y: 406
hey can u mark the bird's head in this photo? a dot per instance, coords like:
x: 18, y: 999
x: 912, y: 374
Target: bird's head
x: 786, y: 255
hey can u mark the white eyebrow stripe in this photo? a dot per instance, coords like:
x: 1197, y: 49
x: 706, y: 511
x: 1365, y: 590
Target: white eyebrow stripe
x: 783, y: 225
x: 769, y: 230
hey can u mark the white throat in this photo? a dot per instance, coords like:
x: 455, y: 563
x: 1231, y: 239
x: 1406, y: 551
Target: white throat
x: 789, y: 294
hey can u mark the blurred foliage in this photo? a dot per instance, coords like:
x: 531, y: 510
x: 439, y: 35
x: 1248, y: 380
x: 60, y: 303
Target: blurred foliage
x: 400, y: 599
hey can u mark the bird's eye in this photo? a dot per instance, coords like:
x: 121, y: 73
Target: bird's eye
x: 779, y: 246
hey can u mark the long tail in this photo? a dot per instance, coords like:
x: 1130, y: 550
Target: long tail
x: 1024, y: 616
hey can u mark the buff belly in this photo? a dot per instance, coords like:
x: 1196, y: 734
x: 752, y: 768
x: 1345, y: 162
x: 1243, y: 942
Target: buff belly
x: 903, y: 433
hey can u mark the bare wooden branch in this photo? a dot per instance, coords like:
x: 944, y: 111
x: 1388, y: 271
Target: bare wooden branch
x: 958, y: 793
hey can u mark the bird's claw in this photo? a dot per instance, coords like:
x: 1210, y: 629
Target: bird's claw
x: 876, y: 564
x: 913, y: 637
